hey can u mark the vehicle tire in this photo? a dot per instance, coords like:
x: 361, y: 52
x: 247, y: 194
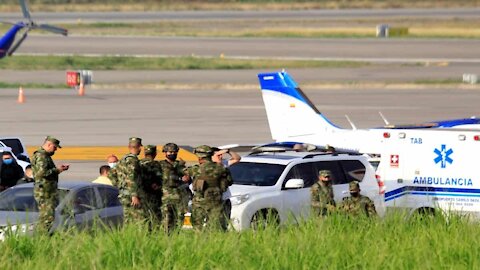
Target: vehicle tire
x: 265, y: 218
x: 425, y: 214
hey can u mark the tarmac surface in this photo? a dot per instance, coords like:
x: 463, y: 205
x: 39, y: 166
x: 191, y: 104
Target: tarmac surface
x: 194, y: 117
x: 396, y: 73
x: 372, y: 50
x: 342, y: 14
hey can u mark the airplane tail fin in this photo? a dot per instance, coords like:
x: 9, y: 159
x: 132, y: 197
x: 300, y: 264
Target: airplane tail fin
x: 290, y: 113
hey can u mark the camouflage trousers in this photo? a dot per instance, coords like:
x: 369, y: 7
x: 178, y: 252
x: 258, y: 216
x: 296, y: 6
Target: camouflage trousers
x: 153, y: 210
x: 172, y: 214
x: 185, y: 197
x: 208, y: 214
x: 46, y: 213
x: 133, y: 214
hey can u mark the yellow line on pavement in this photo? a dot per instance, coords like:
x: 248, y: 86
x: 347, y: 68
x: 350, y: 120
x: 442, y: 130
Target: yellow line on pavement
x: 102, y: 152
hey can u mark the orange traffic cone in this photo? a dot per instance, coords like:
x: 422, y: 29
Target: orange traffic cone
x: 81, y: 90
x: 21, y: 96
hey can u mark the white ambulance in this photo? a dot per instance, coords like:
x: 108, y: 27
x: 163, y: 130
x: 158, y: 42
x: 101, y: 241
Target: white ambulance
x: 427, y: 170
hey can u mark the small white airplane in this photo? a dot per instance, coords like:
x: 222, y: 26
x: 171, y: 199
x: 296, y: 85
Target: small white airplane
x: 294, y: 118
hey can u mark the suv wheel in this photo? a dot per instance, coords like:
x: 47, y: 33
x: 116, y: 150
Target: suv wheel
x: 264, y: 218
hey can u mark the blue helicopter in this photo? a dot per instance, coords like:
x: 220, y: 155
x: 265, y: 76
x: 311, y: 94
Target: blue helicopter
x: 8, y: 44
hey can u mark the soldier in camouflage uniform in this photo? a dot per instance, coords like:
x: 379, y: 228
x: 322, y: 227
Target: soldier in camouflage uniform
x: 323, y: 202
x: 151, y: 174
x: 357, y: 204
x: 210, y: 181
x: 126, y: 177
x: 46, y: 182
x: 174, y: 188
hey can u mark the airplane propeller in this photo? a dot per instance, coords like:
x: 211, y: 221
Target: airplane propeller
x: 31, y: 25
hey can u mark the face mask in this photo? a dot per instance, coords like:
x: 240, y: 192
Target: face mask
x: 112, y: 164
x: 172, y: 157
x: 354, y: 194
x: 8, y: 161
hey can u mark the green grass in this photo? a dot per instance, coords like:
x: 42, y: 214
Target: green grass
x: 334, y: 243
x: 282, y: 28
x: 4, y: 85
x: 159, y: 63
x: 439, y: 81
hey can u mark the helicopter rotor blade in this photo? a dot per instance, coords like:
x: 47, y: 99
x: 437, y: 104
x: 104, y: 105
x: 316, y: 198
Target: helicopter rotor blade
x: 53, y: 29
x: 26, y: 12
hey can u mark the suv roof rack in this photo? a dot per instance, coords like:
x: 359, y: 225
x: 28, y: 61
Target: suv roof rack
x: 333, y: 154
x: 314, y: 150
x: 268, y: 149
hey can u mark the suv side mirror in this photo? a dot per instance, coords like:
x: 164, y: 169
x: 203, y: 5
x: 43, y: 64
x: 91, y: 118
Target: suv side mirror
x: 294, y: 184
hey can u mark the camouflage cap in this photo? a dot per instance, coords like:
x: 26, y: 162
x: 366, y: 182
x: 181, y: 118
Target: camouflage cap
x: 150, y: 149
x: 324, y: 173
x: 354, y: 186
x: 53, y: 140
x: 203, y: 151
x: 135, y: 141
x: 170, y: 147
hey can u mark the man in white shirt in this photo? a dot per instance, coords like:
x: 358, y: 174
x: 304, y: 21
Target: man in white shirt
x: 103, y: 179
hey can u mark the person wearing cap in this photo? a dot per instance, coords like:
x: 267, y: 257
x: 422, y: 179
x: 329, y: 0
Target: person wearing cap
x: 126, y: 177
x: 45, y: 188
x: 210, y: 181
x: 151, y: 172
x: 219, y: 153
x: 357, y: 204
x: 322, y: 200
x: 218, y: 158
x: 176, y: 193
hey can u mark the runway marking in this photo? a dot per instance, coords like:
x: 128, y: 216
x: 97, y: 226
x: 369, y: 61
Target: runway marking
x: 102, y: 152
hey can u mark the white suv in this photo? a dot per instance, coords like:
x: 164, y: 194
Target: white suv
x: 278, y: 184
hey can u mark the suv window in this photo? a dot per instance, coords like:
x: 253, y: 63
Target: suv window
x: 338, y: 177
x: 85, y: 199
x: 256, y: 174
x: 109, y: 197
x: 354, y: 170
x: 304, y: 171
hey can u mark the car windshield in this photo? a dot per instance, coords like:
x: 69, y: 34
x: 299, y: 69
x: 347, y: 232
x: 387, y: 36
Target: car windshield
x: 256, y: 174
x: 22, y: 200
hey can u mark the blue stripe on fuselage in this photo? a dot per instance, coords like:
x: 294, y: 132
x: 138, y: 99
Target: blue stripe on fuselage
x: 436, y: 191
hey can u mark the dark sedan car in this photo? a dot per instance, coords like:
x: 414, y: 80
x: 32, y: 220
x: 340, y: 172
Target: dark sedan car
x: 81, y: 205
